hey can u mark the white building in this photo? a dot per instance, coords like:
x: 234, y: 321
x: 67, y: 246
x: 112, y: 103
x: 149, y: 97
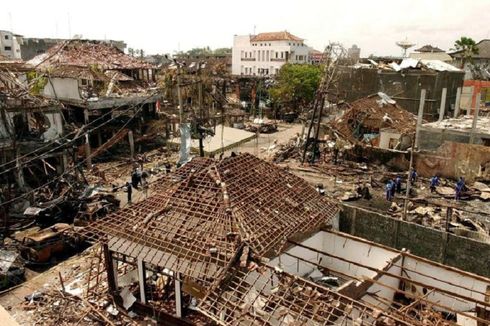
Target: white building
x: 264, y: 54
x: 9, y: 45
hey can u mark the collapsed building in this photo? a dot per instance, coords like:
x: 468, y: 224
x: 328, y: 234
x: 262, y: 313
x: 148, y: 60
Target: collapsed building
x: 97, y: 81
x: 403, y: 80
x: 244, y: 242
x: 377, y: 120
x: 28, y: 122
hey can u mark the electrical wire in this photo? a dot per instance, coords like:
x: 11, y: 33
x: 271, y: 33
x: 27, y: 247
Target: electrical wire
x: 71, y: 140
x: 72, y: 169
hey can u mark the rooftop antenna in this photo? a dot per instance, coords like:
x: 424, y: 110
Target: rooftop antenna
x: 405, y: 45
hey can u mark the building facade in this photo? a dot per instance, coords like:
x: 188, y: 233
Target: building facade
x: 9, y: 45
x: 265, y: 53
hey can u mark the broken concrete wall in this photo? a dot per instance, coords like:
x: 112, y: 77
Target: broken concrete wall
x: 466, y: 254
x: 451, y: 160
x: 404, y: 87
x: 62, y: 88
x: 454, y: 159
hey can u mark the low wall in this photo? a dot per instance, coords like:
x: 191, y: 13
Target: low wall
x: 446, y: 248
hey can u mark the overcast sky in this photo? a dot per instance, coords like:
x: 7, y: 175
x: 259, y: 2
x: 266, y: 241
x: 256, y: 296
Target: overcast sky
x: 166, y: 26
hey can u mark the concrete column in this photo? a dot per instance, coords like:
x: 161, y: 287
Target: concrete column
x: 475, y: 118
x: 65, y: 160
x: 457, y: 103
x: 141, y: 279
x: 419, y: 118
x: 131, y: 143
x: 111, y: 274
x: 88, y: 152
x: 20, y: 172
x: 442, y: 108
x: 86, y: 116
x: 178, y: 296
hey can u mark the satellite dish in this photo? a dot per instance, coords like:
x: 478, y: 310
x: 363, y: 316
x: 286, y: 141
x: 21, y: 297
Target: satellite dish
x: 405, y: 45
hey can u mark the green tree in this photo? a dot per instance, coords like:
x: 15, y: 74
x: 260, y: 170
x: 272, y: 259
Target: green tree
x: 296, y: 85
x: 468, y: 49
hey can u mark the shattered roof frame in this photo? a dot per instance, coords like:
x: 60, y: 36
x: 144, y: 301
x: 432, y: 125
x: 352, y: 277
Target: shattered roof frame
x: 198, y: 219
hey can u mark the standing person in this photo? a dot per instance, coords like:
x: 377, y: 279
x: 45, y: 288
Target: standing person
x: 459, y: 188
x: 413, y: 176
x: 398, y: 184
x: 388, y: 189
x: 393, y: 188
x: 434, y: 182
x: 320, y: 189
x: 129, y: 190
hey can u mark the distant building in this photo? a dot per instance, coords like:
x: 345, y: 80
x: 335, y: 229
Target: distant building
x: 479, y: 67
x: 9, y: 45
x: 354, y: 53
x: 429, y: 52
x: 315, y: 57
x: 265, y: 53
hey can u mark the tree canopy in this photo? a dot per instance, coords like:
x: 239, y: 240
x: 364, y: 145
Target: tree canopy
x: 468, y: 49
x: 296, y: 84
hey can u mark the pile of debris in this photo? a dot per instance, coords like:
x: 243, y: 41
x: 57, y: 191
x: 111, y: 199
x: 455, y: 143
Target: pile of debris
x: 261, y: 126
x: 365, y: 118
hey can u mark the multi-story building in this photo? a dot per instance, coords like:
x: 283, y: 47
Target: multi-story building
x: 354, y: 53
x: 265, y: 53
x: 9, y: 45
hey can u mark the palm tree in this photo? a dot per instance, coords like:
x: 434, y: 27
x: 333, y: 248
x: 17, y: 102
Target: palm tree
x: 468, y: 49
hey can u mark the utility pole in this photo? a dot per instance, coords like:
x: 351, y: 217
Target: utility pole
x: 414, y: 146
x: 201, y: 120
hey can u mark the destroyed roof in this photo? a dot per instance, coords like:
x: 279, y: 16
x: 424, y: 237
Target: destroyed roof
x: 429, y: 48
x: 269, y: 296
x: 410, y: 64
x: 368, y: 114
x: 275, y: 36
x: 86, y: 53
x: 196, y: 223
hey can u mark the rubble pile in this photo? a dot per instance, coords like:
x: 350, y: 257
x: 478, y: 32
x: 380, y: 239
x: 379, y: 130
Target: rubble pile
x: 263, y: 128
x: 364, y: 119
x: 56, y: 307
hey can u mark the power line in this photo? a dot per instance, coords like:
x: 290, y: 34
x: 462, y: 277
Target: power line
x: 71, y: 140
x: 66, y: 172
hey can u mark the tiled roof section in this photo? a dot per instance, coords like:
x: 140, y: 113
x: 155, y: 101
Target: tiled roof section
x: 88, y: 53
x: 275, y: 36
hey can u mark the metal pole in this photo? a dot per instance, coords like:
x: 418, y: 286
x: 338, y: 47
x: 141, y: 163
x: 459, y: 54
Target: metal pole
x: 475, y: 118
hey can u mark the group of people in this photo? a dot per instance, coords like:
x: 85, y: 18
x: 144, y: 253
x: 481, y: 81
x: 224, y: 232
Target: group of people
x: 394, y: 185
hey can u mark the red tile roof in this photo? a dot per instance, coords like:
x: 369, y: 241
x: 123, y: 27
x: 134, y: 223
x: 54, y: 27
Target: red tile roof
x: 275, y: 36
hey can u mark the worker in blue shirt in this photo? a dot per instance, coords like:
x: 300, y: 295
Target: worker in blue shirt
x: 434, y: 182
x: 389, y: 187
x: 413, y: 176
x: 459, y: 188
x: 398, y: 184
